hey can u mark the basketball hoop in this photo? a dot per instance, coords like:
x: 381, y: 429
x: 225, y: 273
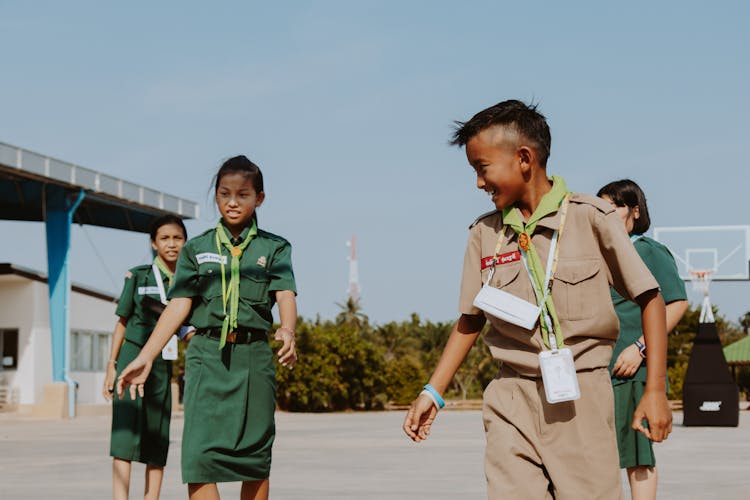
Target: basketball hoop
x: 701, y: 279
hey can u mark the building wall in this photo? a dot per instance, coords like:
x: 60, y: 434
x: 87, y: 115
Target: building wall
x: 17, y: 312
x: 96, y: 315
x: 24, y: 305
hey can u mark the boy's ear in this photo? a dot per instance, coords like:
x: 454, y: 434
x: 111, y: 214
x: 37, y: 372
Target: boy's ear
x: 636, y: 212
x: 525, y: 156
x: 259, y: 199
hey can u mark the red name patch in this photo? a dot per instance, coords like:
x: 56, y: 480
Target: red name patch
x: 487, y: 262
x: 509, y: 257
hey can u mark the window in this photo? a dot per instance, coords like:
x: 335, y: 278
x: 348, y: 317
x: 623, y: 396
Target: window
x: 89, y: 351
x: 8, y: 349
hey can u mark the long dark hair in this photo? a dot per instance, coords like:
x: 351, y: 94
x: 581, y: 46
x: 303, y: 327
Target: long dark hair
x: 626, y: 193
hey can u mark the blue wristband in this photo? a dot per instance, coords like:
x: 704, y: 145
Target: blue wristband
x: 436, y: 395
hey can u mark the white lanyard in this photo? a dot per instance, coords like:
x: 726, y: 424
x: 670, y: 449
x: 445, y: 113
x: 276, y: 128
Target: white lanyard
x: 159, y: 284
x: 548, y: 273
x: 545, y: 287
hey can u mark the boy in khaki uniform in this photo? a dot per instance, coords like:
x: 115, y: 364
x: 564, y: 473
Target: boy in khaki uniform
x: 559, y: 252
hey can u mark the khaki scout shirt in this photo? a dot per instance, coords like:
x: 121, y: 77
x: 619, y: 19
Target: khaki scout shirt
x: 265, y: 267
x: 594, y: 253
x: 140, y: 283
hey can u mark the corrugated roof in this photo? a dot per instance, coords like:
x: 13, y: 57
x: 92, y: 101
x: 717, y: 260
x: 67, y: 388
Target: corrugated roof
x: 738, y: 353
x: 109, y: 202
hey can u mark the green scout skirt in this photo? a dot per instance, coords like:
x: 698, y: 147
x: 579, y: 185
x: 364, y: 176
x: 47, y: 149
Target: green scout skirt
x: 140, y: 427
x: 230, y: 398
x: 635, y: 448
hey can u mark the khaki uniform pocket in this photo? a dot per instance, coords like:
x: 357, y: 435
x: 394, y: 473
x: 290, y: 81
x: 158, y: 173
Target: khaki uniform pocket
x: 576, y: 291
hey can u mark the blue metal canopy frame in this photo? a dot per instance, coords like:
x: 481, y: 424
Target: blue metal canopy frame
x: 35, y: 187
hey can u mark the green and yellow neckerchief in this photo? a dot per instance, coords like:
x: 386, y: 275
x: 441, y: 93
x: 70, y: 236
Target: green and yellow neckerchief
x: 231, y: 292
x: 550, y: 203
x: 164, y: 269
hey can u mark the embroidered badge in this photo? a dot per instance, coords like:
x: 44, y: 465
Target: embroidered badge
x: 523, y: 241
x: 509, y: 257
x: 487, y: 262
x: 262, y: 261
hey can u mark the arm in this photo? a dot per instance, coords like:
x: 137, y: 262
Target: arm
x: 630, y: 358
x: 117, y: 337
x: 653, y: 406
x: 285, y: 333
x: 136, y: 373
x: 423, y: 412
x: 675, y: 312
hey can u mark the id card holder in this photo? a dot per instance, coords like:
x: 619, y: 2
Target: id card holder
x: 506, y: 306
x: 559, y: 375
x: 170, y: 350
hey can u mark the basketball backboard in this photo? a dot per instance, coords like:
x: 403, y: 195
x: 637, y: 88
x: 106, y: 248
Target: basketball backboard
x: 722, y: 251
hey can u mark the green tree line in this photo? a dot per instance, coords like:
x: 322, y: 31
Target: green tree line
x: 350, y: 364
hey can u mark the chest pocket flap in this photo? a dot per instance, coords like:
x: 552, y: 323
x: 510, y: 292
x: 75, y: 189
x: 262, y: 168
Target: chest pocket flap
x: 576, y: 291
x: 254, y: 285
x: 506, y: 274
x: 576, y: 271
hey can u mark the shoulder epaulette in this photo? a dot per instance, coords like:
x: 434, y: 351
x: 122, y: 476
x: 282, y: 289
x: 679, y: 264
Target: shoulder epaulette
x: 271, y: 236
x: 589, y: 199
x: 137, y: 271
x: 486, y: 214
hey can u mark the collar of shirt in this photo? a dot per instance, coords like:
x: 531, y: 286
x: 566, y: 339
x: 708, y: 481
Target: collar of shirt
x: 551, y: 221
x: 239, y: 239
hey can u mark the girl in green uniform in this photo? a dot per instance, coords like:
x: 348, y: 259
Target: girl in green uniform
x: 226, y: 283
x: 140, y: 429
x: 627, y: 367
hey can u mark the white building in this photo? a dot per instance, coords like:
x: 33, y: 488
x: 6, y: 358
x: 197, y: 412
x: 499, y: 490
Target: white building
x: 25, y: 341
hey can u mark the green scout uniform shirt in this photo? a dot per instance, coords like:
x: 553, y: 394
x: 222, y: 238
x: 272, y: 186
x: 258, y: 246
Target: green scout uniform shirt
x: 265, y: 268
x: 660, y: 262
x: 140, y: 282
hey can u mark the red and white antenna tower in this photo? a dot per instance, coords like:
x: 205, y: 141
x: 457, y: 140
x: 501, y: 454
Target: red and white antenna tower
x: 354, y: 289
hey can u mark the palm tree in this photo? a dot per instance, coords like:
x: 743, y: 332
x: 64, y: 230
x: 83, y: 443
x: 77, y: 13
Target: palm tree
x: 351, y: 314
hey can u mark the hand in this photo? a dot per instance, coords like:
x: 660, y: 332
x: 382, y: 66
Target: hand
x: 419, y: 418
x: 628, y: 362
x: 134, y: 375
x: 287, y: 353
x: 109, y: 382
x: 653, y: 408
x: 186, y: 333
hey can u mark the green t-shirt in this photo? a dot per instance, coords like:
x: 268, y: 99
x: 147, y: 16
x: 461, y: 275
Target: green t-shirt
x: 660, y: 262
x: 133, y: 305
x: 265, y: 268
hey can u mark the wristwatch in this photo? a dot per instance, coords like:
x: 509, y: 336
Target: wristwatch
x: 641, y: 348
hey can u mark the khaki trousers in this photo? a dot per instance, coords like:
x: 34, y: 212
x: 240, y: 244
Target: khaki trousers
x: 537, y: 450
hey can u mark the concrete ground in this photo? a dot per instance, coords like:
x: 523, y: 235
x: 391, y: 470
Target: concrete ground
x: 345, y: 456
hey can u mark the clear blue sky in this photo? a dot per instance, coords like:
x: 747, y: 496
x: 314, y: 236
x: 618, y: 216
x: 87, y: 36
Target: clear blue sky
x: 347, y: 107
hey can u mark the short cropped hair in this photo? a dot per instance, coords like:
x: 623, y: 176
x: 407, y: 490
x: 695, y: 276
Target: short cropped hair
x: 518, y: 116
x: 626, y: 193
